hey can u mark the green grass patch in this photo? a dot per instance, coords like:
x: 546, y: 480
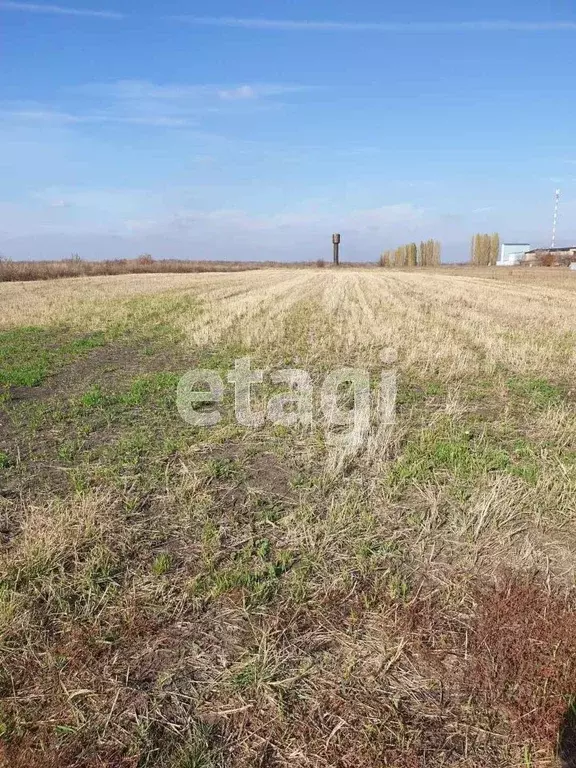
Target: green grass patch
x: 224, y: 468
x: 29, y: 355
x: 24, y: 357
x: 161, y: 564
x: 153, y: 389
x: 448, y: 451
x: 255, y: 570
x: 157, y: 388
x: 539, y: 392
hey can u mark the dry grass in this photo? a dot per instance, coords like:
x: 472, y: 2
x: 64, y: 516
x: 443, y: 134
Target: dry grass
x: 14, y: 271
x: 189, y: 599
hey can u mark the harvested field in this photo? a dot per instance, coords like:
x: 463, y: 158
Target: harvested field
x: 186, y: 597
x: 15, y: 271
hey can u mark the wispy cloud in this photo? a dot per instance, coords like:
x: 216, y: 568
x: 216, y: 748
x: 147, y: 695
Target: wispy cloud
x: 58, y: 10
x: 54, y: 116
x: 183, y: 103
x: 140, y: 102
x: 368, y: 219
x: 135, y: 90
x: 433, y: 27
x: 242, y: 92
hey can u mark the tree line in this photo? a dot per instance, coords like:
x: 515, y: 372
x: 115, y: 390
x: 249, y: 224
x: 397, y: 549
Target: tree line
x: 427, y: 254
x: 485, y: 249
x: 484, y: 252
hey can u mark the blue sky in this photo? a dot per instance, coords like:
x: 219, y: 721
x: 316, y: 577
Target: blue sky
x: 256, y: 129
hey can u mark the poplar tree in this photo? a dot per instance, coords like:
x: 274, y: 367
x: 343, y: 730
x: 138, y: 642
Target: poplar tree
x: 494, y: 248
x: 485, y: 249
x: 427, y: 254
x: 436, y: 252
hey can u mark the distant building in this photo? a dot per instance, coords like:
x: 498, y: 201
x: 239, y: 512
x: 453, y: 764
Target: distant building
x: 512, y: 254
x: 551, y: 257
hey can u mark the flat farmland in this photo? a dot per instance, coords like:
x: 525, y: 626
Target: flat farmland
x: 184, y: 596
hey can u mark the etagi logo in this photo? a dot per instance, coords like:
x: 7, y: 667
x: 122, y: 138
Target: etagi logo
x: 348, y: 404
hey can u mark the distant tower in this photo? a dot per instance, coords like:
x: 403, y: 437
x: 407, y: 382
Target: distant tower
x: 557, y: 201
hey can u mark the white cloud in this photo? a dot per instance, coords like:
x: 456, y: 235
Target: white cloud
x: 129, y: 211
x: 440, y: 27
x: 238, y: 222
x: 54, y: 116
x: 96, y: 200
x: 140, y: 102
x: 242, y: 92
x: 143, y: 89
x: 135, y: 90
x: 40, y: 115
x: 116, y: 224
x: 58, y: 10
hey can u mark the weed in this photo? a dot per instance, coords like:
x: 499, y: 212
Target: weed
x: 223, y: 469
x: 161, y: 564
x: 93, y: 398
